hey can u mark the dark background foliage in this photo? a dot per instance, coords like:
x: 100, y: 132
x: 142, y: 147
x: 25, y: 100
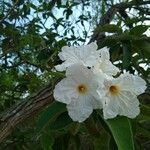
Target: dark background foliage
x: 32, y: 32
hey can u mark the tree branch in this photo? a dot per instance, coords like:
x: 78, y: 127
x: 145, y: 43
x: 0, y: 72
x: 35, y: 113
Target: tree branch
x: 9, y: 12
x: 107, y: 18
x: 25, y: 109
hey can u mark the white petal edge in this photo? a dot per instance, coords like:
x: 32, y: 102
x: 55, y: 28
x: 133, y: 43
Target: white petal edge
x: 65, y: 90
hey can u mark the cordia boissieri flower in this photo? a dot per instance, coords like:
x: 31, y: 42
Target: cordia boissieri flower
x: 87, y: 55
x: 78, y: 91
x: 104, y: 64
x: 121, y: 96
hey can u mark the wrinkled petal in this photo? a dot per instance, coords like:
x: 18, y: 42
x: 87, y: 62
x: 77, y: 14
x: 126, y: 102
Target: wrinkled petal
x: 132, y: 83
x: 80, y: 109
x: 101, y: 93
x: 79, y: 72
x: 104, y: 65
x: 67, y: 52
x: 139, y: 85
x: 65, y: 90
x: 123, y: 105
x: 87, y: 55
x: 110, y: 108
x: 124, y: 101
x: 104, y: 53
x: 129, y: 104
x: 96, y: 102
x: 108, y: 68
x: 60, y: 67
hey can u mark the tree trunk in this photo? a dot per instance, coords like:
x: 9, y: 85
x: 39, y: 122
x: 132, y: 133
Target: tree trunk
x: 23, y: 110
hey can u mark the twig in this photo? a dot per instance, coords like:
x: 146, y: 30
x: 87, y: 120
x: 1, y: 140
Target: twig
x: 107, y: 18
x: 9, y: 12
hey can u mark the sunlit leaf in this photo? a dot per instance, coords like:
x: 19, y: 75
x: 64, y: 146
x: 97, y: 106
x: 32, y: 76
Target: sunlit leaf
x: 139, y: 30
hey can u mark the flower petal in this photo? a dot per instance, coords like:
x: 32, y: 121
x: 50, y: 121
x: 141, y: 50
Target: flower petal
x: 86, y: 55
x: 125, y: 102
x: 65, y: 90
x: 132, y: 83
x: 110, y: 108
x: 104, y: 65
x: 139, y: 85
x: 104, y: 53
x: 80, y: 109
x: 129, y: 104
x: 60, y: 67
x: 108, y: 68
x: 79, y: 73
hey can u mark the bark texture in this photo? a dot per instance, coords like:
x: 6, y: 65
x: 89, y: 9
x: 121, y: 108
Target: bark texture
x: 25, y: 109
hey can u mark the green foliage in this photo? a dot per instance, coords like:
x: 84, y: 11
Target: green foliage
x: 47, y: 141
x: 139, y: 30
x: 110, y: 28
x: 51, y: 112
x: 122, y: 132
x: 127, y: 55
x: 62, y: 121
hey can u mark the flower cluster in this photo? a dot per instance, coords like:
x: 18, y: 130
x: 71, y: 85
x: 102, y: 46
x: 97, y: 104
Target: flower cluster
x: 90, y: 84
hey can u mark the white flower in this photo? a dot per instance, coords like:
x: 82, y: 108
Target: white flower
x: 78, y: 91
x: 104, y: 65
x: 86, y: 55
x: 121, y: 96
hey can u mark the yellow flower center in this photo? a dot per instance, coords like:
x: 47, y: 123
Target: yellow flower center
x: 114, y: 89
x: 82, y: 88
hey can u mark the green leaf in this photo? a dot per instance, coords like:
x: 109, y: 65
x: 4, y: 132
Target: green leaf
x: 112, y: 144
x: 145, y: 110
x: 52, y: 111
x: 103, y: 7
x: 122, y: 132
x: 47, y: 141
x: 111, y: 28
x: 139, y: 30
x: 133, y: 20
x: 126, y: 54
x: 62, y: 121
x: 56, y: 74
x: 142, y: 47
